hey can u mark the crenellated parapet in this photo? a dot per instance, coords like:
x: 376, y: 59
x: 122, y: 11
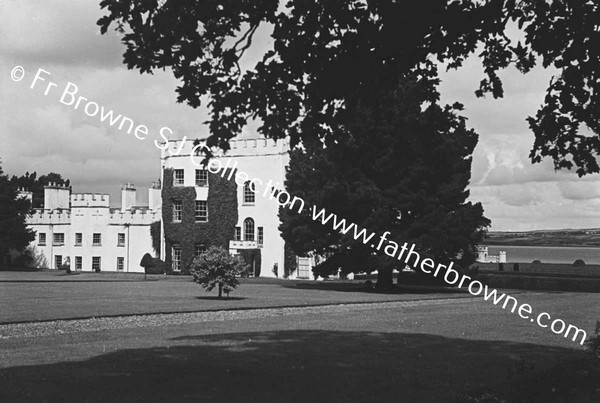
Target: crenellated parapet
x: 136, y: 217
x: 90, y: 200
x: 259, y: 146
x: 41, y: 216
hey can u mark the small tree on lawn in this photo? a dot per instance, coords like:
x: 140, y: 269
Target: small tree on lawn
x: 217, y: 268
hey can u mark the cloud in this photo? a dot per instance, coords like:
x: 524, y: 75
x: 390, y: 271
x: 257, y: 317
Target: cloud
x: 57, y: 33
x: 525, y: 207
x: 580, y: 190
x: 38, y: 133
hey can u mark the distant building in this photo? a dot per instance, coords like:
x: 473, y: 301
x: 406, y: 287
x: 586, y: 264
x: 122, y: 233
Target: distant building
x: 484, y: 257
x: 81, y: 230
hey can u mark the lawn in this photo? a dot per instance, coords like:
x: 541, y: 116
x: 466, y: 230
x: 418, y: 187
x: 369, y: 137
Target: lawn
x: 35, y: 296
x: 435, y: 351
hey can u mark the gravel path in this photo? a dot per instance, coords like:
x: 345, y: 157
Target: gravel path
x: 47, y: 328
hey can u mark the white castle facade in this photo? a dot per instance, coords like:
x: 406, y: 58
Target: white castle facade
x: 196, y: 207
x: 82, y: 231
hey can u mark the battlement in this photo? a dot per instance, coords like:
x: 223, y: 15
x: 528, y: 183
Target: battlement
x: 54, y: 185
x: 40, y: 216
x: 135, y: 217
x: 238, y: 147
x: 90, y: 200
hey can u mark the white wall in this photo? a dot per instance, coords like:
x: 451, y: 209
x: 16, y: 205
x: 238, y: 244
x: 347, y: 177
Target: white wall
x: 90, y: 214
x: 259, y: 158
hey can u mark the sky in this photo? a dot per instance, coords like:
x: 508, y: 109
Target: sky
x: 39, y: 133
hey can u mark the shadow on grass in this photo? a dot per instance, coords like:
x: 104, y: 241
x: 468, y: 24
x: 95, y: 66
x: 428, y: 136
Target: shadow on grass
x: 215, y: 298
x: 358, y: 287
x: 297, y: 366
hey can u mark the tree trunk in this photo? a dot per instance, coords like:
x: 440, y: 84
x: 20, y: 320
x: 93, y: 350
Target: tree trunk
x: 385, y: 279
x: 220, y: 290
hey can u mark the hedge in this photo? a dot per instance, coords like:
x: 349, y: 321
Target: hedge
x: 540, y: 283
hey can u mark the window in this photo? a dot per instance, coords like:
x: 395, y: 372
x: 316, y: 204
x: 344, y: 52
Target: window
x: 274, y: 193
x: 121, y: 239
x: 96, y: 263
x: 248, y: 229
x: 120, y: 263
x: 59, y: 239
x: 199, y: 249
x: 178, y: 177
x: 260, y: 236
x: 249, y: 195
x: 201, y: 211
x: 238, y: 233
x: 176, y: 257
x: 177, y: 210
x: 42, y: 239
x: 57, y: 261
x: 201, y: 177
x: 78, y: 239
x: 97, y: 239
x: 78, y: 262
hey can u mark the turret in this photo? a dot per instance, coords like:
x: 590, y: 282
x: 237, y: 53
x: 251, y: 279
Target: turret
x: 128, y: 196
x: 56, y: 196
x: 154, y: 196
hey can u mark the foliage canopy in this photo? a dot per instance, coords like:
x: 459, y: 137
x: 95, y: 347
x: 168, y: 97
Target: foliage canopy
x: 14, y: 234
x: 325, y: 53
x: 217, y: 268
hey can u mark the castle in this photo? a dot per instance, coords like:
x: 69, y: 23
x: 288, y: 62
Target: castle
x: 82, y: 231
x: 484, y: 257
x: 203, y: 208
x: 196, y: 207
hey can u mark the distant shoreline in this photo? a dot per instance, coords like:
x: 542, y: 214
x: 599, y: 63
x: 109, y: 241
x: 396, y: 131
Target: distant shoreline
x: 568, y: 238
x: 545, y: 245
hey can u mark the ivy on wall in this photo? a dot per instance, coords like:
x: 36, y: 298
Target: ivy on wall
x: 253, y: 259
x: 155, y: 234
x: 222, y: 216
x: 289, y: 261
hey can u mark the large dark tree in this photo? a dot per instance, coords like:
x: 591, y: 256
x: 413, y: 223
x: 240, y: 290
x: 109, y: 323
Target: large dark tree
x: 14, y: 234
x: 325, y: 51
x: 32, y: 183
x: 402, y: 164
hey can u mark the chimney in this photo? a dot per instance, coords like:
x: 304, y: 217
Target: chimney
x: 56, y: 197
x: 154, y: 198
x: 128, y: 196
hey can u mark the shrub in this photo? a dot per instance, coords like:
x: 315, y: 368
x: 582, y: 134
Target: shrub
x: 66, y: 267
x: 217, y: 268
x: 153, y: 265
x: 579, y: 262
x: 97, y: 270
x: 147, y: 260
x: 593, y: 343
x: 537, y: 261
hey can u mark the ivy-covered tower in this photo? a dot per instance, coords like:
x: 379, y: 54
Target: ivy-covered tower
x: 228, y: 203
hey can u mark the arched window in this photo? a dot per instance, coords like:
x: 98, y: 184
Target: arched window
x: 249, y: 195
x: 248, y: 229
